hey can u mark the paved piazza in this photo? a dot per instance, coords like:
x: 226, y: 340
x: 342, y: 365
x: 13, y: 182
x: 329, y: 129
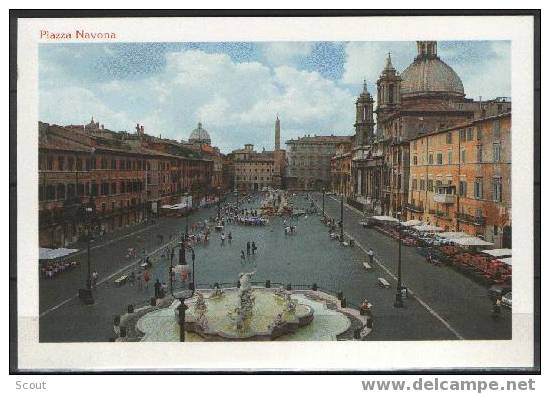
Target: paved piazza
x: 443, y: 305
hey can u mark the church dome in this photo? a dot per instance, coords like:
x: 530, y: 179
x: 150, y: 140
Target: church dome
x: 200, y: 136
x: 428, y: 74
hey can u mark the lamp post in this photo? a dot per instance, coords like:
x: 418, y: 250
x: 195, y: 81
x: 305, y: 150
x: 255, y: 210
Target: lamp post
x: 85, y: 294
x: 323, y: 203
x: 398, y: 295
x: 182, y: 308
x: 342, y: 218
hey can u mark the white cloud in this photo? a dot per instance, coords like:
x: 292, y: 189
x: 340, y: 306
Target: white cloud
x: 236, y: 101
x: 281, y: 53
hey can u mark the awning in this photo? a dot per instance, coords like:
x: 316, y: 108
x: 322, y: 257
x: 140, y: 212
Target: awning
x: 175, y: 206
x: 410, y: 223
x: 427, y: 228
x: 452, y: 235
x: 506, y: 260
x: 471, y: 241
x: 498, y: 252
x: 51, y: 254
x: 385, y: 219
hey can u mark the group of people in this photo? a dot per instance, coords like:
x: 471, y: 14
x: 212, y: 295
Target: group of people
x: 51, y: 270
x: 250, y: 249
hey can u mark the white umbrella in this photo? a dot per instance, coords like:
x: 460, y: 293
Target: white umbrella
x: 50, y: 254
x: 427, y: 228
x: 498, y: 252
x: 471, y: 241
x: 452, y: 235
x: 410, y: 223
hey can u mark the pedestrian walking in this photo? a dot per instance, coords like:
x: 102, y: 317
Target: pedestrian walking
x: 242, y: 255
x: 146, y: 278
x: 132, y: 278
x: 140, y: 280
x: 253, y: 247
x: 248, y: 248
x: 370, y: 253
x: 157, y: 288
x: 95, y: 276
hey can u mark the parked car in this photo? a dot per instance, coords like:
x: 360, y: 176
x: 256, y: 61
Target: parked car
x: 507, y: 299
x: 497, y: 291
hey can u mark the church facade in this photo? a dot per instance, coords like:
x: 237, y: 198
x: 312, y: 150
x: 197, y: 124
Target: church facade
x: 427, y: 95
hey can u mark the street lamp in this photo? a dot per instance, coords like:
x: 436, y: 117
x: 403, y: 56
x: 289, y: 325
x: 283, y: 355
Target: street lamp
x: 342, y: 218
x: 178, y: 269
x: 399, y: 295
x: 323, y: 204
x: 85, y: 294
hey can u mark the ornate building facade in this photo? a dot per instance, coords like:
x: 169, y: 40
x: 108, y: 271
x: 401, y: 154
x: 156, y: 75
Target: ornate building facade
x: 461, y: 178
x: 427, y: 95
x: 121, y: 177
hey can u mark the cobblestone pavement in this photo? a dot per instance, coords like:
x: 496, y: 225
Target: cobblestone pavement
x: 301, y: 259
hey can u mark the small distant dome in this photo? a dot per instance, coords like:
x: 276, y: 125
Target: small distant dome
x: 200, y: 136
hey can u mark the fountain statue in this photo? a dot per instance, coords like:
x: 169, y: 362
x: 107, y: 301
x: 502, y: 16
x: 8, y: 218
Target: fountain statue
x: 290, y: 304
x: 244, y: 280
x: 200, y: 305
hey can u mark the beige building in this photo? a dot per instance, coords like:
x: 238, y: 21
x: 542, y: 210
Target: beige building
x: 460, y: 178
x: 252, y: 171
x: 309, y: 161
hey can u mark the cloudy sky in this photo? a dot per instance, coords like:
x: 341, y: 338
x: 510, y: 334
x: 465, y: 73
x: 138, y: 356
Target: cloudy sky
x: 236, y: 89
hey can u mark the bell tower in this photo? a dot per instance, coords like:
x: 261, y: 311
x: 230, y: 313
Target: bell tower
x: 389, y: 87
x: 364, y: 120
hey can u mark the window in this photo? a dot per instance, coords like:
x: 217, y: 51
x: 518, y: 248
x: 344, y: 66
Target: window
x: 60, y: 163
x: 496, y: 152
x: 440, y: 158
x: 103, y: 164
x: 496, y: 128
x: 478, y: 133
x: 462, y: 188
x: 430, y: 186
x: 463, y: 156
x: 94, y: 188
x: 80, y: 189
x: 70, y: 164
x: 497, y: 189
x: 478, y: 188
x: 430, y: 158
x: 122, y: 165
x: 60, y: 191
x: 449, y: 138
x: 422, y: 184
x: 70, y: 190
x: 479, y: 153
x: 113, y: 164
x: 113, y: 188
x: 415, y: 160
x: 469, y: 134
x: 450, y: 157
x: 462, y: 135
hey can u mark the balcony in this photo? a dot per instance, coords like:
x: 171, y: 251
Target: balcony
x: 476, y: 220
x: 444, y: 198
x: 414, y: 208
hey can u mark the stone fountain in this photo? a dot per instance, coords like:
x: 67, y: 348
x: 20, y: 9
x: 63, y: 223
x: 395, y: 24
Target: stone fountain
x: 247, y: 313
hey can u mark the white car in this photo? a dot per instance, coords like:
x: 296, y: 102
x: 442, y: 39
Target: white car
x: 507, y: 299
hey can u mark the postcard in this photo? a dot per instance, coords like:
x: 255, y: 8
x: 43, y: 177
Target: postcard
x: 299, y: 193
